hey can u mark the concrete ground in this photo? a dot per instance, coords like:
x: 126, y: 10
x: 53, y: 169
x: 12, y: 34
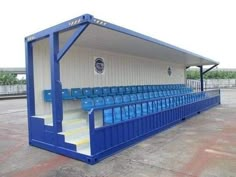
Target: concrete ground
x: 202, y: 146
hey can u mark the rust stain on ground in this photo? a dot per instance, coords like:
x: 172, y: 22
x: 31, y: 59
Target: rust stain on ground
x: 42, y: 167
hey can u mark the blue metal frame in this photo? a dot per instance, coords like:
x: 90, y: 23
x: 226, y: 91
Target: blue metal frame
x: 30, y: 85
x: 46, y: 137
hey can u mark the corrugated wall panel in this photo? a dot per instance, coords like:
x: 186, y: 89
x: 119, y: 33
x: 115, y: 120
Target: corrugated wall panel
x: 77, y: 70
x: 42, y: 75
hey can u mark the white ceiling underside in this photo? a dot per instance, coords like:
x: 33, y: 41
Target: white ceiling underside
x: 101, y: 38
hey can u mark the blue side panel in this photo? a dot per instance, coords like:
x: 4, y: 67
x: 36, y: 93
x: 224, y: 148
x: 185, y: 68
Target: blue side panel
x: 109, y: 139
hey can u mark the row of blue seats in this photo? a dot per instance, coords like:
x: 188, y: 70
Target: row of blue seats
x: 78, y: 93
x: 88, y: 103
x: 136, y: 109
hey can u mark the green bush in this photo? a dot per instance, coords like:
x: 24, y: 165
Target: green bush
x: 194, y: 74
x: 7, y: 78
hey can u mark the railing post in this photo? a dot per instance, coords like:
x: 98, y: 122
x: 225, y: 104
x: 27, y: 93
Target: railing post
x: 201, y: 77
x: 92, y: 131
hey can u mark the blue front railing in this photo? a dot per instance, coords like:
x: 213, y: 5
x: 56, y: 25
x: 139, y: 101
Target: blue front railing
x: 123, y: 123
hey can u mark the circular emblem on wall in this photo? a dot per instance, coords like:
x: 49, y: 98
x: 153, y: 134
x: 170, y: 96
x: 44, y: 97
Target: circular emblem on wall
x: 169, y: 71
x: 99, y: 65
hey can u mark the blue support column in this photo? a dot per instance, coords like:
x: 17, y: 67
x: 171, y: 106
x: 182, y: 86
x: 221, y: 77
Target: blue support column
x: 57, y: 106
x: 201, y: 78
x: 30, y: 84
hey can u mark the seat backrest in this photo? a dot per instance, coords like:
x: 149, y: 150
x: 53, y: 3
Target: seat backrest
x: 150, y: 88
x: 140, y: 96
x: 134, y: 89
x: 154, y: 88
x: 114, y: 90
x: 118, y: 99
x: 151, y: 95
x: 146, y: 95
x: 106, y: 91
x: 65, y: 94
x: 126, y: 98
x: 98, y: 101
x: 140, y: 89
x: 133, y: 97
x: 121, y: 90
x: 156, y: 94
x: 145, y: 88
x: 87, y: 92
x: 87, y: 104
x: 76, y: 92
x: 47, y: 94
x: 97, y: 91
x: 127, y: 90
x: 109, y: 100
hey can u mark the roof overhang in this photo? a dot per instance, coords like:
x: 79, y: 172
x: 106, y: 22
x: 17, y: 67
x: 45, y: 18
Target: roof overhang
x: 109, y: 37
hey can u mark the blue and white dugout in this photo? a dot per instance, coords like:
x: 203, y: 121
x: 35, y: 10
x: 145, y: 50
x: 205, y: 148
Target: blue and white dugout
x: 94, y: 88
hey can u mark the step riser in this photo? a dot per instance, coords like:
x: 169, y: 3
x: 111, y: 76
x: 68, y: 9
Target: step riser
x: 76, y: 136
x: 66, y: 127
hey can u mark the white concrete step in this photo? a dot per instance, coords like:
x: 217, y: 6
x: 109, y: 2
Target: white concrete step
x: 73, y: 124
x: 75, y: 133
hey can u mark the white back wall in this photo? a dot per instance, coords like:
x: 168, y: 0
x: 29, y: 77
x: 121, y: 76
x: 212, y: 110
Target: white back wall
x: 77, y: 70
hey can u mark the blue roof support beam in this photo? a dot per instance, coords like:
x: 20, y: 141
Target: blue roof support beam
x: 57, y: 107
x: 71, y: 41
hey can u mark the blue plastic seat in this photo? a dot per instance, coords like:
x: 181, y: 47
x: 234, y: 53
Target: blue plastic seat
x: 140, y: 89
x: 158, y: 88
x: 154, y: 88
x: 118, y: 99
x: 47, y: 94
x: 117, y: 110
x: 134, y: 89
x: 156, y: 94
x: 98, y: 102
x: 106, y: 91
x: 87, y: 104
x: 114, y: 91
x: 66, y: 94
x: 109, y: 100
x: 87, y: 92
x: 97, y: 91
x: 151, y: 95
x: 126, y: 98
x: 121, y: 90
x: 125, y: 109
x: 150, y: 88
x: 127, y: 90
x: 146, y: 96
x: 140, y: 96
x: 145, y: 88
x: 133, y: 97
x: 108, y: 114
x: 77, y: 93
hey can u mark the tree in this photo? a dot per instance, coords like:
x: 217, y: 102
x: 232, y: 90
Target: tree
x: 7, y: 78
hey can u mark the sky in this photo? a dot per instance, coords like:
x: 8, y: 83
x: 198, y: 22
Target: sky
x: 205, y: 27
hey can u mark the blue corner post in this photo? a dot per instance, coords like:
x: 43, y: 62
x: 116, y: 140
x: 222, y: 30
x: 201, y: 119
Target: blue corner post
x: 30, y: 83
x: 57, y: 107
x: 201, y: 78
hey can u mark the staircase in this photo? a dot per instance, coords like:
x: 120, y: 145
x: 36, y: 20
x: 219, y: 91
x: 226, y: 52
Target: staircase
x: 75, y: 129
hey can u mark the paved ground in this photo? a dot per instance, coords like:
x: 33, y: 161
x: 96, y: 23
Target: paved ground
x: 202, y: 146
